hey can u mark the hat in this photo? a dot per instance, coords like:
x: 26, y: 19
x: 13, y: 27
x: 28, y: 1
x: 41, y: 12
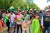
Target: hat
x: 34, y: 9
x: 23, y: 11
x: 47, y: 10
x: 30, y: 9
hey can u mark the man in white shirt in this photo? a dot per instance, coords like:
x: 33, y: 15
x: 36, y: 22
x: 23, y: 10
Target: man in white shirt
x: 11, y: 20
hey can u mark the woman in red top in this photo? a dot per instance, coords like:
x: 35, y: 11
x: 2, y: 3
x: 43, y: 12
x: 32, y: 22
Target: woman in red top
x: 1, y: 31
x: 1, y: 22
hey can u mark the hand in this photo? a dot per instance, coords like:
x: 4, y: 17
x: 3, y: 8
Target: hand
x: 42, y: 27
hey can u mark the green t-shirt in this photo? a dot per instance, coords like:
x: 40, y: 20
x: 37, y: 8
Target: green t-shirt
x: 5, y: 19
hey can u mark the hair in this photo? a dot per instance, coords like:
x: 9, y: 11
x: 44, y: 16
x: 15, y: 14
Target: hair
x: 19, y: 11
x: 16, y: 13
x: 8, y: 11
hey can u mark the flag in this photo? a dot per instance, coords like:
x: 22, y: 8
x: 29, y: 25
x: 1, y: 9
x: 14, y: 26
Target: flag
x: 27, y: 7
x: 12, y: 9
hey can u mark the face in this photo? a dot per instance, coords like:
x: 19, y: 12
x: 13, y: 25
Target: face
x: 11, y: 12
x: 19, y: 13
x: 7, y: 11
x: 34, y: 15
x: 47, y: 13
x: 25, y: 12
x: 37, y: 17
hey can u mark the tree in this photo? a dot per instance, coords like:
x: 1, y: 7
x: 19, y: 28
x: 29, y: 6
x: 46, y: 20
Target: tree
x: 34, y: 6
x: 5, y: 3
x: 45, y: 8
x: 17, y: 3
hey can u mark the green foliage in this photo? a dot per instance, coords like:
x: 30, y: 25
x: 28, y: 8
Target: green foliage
x: 5, y: 3
x: 34, y: 6
x: 46, y: 8
x: 17, y: 3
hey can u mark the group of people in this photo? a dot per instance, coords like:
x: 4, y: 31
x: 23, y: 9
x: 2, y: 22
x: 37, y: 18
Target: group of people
x: 28, y: 21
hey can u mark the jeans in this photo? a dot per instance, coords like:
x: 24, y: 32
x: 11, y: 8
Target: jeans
x: 46, y: 30
x: 13, y: 24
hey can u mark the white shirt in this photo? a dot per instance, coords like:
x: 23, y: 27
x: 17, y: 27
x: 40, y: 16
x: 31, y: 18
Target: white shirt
x: 12, y: 16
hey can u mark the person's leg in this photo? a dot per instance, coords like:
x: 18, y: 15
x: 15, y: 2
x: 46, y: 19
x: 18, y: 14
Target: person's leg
x: 10, y: 27
x: 1, y: 28
x: 30, y: 29
x: 20, y: 28
x: 45, y: 28
x: 23, y: 31
x: 27, y: 31
x: 48, y: 29
x: 7, y: 24
x: 17, y: 28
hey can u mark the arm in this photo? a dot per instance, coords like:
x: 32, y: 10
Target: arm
x: 42, y: 23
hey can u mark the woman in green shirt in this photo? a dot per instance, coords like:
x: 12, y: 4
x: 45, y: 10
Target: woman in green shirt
x: 35, y: 26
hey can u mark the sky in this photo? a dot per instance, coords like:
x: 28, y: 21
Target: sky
x: 41, y: 3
